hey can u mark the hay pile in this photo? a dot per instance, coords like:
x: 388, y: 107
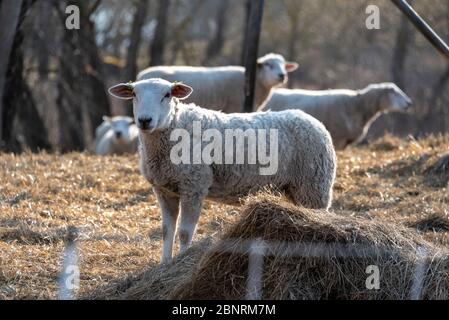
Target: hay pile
x: 224, y: 275
x: 433, y: 223
x: 387, y: 143
x: 441, y: 166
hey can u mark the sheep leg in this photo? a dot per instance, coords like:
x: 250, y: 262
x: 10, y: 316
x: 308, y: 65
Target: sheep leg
x: 170, y: 211
x: 190, y: 213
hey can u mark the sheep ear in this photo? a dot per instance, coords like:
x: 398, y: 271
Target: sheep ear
x: 106, y: 119
x: 291, y: 66
x: 124, y: 91
x: 130, y: 120
x: 181, y: 91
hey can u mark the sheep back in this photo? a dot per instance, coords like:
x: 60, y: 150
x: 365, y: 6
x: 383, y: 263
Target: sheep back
x: 306, y: 158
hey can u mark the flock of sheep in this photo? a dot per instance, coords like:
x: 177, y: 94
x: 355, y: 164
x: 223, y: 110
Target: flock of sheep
x: 310, y: 125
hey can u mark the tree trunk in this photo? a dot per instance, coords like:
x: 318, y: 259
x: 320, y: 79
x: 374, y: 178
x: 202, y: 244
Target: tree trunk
x: 158, y: 45
x: 293, y: 36
x: 293, y: 8
x: 216, y: 45
x: 422, y: 26
x: 43, y: 32
x: 437, y: 105
x: 439, y: 87
x: 252, y: 50
x: 244, y: 45
x: 82, y: 97
x: 130, y: 71
x: 23, y: 126
x: 404, y: 38
x: 9, y: 19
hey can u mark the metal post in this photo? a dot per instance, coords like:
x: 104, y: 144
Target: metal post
x: 252, y: 49
x: 422, y: 26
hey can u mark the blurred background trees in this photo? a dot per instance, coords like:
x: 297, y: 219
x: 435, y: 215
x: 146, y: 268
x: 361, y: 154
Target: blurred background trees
x: 55, y: 79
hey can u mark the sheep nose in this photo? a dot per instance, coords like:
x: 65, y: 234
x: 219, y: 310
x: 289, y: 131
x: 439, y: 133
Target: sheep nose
x: 118, y: 135
x: 144, y: 123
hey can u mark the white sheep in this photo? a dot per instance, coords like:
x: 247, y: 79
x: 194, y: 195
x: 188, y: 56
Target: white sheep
x: 102, y: 129
x: 300, y: 147
x: 347, y: 114
x: 222, y: 88
x: 117, y: 135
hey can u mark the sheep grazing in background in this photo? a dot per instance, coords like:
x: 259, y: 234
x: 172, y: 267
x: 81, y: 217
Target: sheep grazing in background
x: 347, y: 114
x: 304, y: 158
x: 118, y: 135
x: 222, y: 88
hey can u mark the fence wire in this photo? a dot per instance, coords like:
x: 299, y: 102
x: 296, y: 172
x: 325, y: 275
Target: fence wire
x: 257, y: 250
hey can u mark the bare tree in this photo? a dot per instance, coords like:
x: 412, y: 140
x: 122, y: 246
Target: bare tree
x: 9, y: 19
x: 140, y: 14
x: 180, y: 30
x: 293, y: 12
x: 43, y: 32
x: 439, y: 87
x: 247, y: 5
x: 129, y: 73
x: 157, y: 47
x: 82, y: 97
x: 444, y: 78
x: 217, y: 43
x: 23, y: 126
x: 404, y: 39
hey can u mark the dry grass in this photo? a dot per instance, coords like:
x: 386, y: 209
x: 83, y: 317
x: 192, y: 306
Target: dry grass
x: 294, y: 270
x: 155, y: 282
x: 117, y: 216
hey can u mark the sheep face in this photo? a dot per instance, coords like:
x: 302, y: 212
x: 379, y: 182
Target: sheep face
x: 120, y: 128
x: 273, y: 70
x: 154, y: 101
x: 394, y: 99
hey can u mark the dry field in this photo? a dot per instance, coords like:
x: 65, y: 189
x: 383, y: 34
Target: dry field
x: 118, y: 220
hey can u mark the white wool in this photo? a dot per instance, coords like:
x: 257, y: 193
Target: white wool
x: 347, y: 114
x: 222, y: 88
x: 305, y: 157
x: 117, y: 136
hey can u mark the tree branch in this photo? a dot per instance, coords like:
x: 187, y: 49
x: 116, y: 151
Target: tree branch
x: 93, y: 7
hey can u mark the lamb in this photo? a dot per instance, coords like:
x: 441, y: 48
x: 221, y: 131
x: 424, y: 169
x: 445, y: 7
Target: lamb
x: 118, y: 135
x: 222, y: 88
x: 347, y: 114
x: 103, y: 128
x: 184, y: 174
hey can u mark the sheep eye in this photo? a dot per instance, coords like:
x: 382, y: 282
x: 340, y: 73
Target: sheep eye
x: 166, y: 96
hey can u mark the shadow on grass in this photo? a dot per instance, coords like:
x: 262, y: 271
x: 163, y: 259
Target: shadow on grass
x: 24, y: 235
x: 156, y: 282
